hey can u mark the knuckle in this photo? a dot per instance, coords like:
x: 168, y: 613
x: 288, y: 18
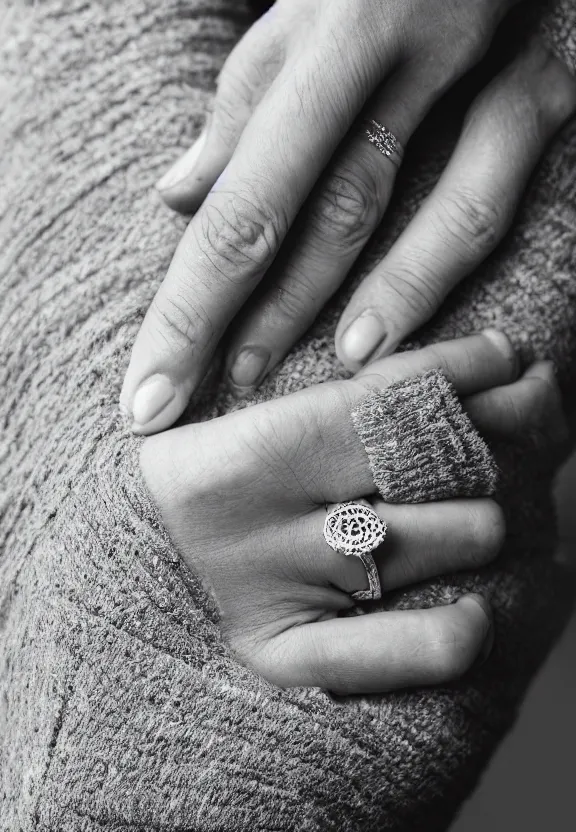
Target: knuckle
x: 456, y: 40
x: 476, y: 223
x: 239, y: 237
x: 296, y: 299
x: 179, y: 324
x: 486, y: 528
x: 261, y: 654
x: 416, y: 286
x: 348, y: 209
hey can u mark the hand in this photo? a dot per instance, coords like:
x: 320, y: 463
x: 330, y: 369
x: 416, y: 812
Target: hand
x: 243, y: 498
x: 284, y: 151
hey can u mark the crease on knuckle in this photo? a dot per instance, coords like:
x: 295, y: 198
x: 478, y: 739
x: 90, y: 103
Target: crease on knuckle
x: 418, y: 287
x: 470, y: 223
x: 347, y: 210
x: 239, y: 239
x: 182, y: 324
x: 297, y: 299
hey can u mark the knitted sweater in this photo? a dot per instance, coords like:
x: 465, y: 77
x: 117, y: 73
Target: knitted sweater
x: 121, y: 707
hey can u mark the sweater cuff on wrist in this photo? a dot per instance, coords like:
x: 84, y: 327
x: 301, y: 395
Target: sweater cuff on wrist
x: 421, y: 444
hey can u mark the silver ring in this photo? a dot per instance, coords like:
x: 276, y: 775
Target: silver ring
x: 385, y: 141
x: 355, y: 529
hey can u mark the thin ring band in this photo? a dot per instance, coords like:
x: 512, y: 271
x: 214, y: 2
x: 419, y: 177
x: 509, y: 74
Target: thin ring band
x: 354, y: 529
x: 384, y: 140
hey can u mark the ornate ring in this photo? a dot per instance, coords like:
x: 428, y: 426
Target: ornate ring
x: 385, y: 141
x: 355, y: 529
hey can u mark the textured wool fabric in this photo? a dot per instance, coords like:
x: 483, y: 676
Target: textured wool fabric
x: 120, y: 706
x: 558, y: 28
x: 421, y: 444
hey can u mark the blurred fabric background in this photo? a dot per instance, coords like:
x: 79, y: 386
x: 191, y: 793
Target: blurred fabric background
x: 531, y: 783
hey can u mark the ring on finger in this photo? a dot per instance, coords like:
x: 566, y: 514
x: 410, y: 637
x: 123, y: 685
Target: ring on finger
x: 354, y: 529
x: 384, y: 140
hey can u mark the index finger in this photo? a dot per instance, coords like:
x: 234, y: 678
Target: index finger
x: 235, y: 236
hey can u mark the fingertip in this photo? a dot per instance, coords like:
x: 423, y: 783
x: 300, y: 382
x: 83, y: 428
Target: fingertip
x: 474, y: 601
x: 155, y: 406
x: 480, y: 616
x: 489, y: 634
x: 545, y: 370
x: 504, y: 346
x: 179, y: 174
x: 247, y: 368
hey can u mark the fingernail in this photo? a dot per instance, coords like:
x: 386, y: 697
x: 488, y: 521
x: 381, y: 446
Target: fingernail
x: 488, y: 643
x: 184, y: 166
x: 503, y: 345
x: 363, y: 336
x: 151, y: 398
x: 249, y: 366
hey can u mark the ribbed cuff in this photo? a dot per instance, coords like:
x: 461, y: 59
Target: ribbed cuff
x: 421, y: 444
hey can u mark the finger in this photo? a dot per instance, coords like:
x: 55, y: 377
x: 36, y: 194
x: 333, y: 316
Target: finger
x: 471, y: 364
x: 532, y: 404
x: 248, y: 72
x: 422, y: 541
x: 306, y: 446
x: 468, y: 212
x: 381, y: 652
x: 235, y: 236
x: 341, y: 215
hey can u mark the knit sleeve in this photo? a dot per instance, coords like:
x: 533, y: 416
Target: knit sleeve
x: 122, y: 708
x: 421, y: 445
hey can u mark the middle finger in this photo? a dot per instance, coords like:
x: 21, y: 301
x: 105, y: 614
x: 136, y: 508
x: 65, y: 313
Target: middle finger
x: 344, y: 210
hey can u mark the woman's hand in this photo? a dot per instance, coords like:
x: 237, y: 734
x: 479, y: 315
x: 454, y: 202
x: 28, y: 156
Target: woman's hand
x: 243, y: 498
x: 285, y: 143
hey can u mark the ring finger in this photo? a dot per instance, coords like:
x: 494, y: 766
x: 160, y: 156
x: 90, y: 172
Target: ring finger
x: 342, y: 214
x: 422, y: 541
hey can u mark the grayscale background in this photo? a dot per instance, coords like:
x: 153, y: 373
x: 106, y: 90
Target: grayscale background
x: 531, y: 784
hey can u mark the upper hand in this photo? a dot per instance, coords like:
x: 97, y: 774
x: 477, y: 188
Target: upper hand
x: 285, y: 144
x: 243, y: 498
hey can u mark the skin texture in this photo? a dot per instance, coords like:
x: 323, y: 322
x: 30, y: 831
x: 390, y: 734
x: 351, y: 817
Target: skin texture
x: 275, y: 466
x: 287, y: 191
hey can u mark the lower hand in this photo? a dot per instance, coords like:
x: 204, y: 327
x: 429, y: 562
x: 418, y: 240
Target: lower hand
x: 285, y: 152
x: 243, y: 498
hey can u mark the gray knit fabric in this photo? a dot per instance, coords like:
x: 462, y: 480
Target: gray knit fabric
x: 120, y: 706
x: 558, y: 28
x: 420, y: 443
